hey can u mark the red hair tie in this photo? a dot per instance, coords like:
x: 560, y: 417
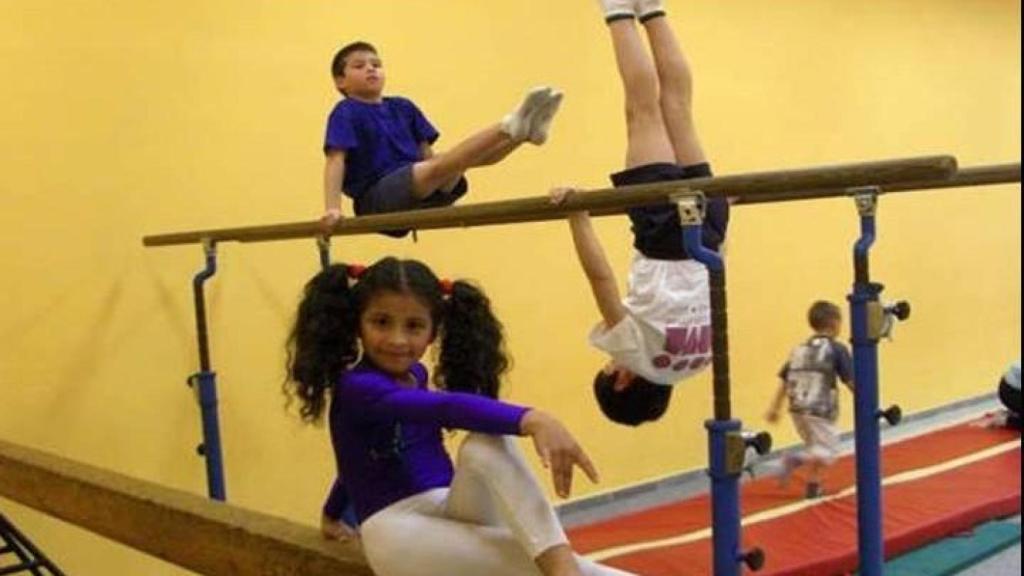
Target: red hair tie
x: 355, y: 271
x: 446, y: 286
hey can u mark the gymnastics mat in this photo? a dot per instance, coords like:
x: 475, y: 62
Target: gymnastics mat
x: 934, y: 485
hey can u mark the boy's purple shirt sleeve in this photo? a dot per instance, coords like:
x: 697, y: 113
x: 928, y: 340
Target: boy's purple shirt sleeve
x: 380, y: 398
x: 422, y: 129
x: 340, y: 134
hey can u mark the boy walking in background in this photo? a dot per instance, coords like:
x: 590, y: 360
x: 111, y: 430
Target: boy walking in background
x: 808, y: 382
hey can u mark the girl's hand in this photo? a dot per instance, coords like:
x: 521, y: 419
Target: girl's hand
x: 558, y: 197
x: 560, y: 194
x: 557, y: 449
x: 330, y: 217
x: 336, y: 529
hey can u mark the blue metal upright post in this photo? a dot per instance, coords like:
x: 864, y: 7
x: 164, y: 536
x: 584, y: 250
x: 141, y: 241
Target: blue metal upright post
x: 725, y: 500
x: 206, y: 380
x: 865, y: 320
x: 726, y: 444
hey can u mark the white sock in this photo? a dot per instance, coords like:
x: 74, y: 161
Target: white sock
x: 540, y: 122
x: 647, y: 9
x: 617, y: 9
x: 517, y: 123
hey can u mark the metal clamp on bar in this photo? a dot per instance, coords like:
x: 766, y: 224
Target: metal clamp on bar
x: 876, y: 320
x: 737, y: 444
x: 209, y: 246
x: 735, y: 452
x: 691, y: 205
x: 866, y: 198
x: 882, y: 318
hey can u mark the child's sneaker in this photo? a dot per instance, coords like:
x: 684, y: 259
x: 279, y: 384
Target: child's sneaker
x: 518, y: 124
x: 617, y: 9
x: 647, y: 9
x: 540, y: 121
x: 813, y: 490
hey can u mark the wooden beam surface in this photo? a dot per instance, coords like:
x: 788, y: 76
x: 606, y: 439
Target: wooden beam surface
x: 831, y: 179
x: 964, y: 178
x: 193, y: 532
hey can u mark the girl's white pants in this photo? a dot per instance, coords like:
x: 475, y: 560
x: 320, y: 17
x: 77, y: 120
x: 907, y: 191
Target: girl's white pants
x: 492, y: 521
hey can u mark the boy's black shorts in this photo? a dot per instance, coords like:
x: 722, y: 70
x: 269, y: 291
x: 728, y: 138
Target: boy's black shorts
x: 393, y: 193
x: 657, y: 232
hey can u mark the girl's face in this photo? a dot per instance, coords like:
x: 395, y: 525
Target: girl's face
x: 395, y: 329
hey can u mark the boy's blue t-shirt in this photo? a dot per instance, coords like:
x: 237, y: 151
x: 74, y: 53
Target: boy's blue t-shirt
x: 377, y: 139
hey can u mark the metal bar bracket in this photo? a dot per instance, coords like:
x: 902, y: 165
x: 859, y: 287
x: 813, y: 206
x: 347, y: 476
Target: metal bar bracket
x: 866, y: 198
x: 691, y: 204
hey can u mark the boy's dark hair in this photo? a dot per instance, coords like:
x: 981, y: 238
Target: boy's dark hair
x: 823, y: 314
x: 641, y: 401
x: 323, y: 342
x: 338, y: 64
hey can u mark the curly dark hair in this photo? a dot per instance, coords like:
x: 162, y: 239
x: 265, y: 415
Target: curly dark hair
x: 323, y: 342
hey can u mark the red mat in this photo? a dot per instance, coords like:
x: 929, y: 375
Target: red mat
x: 822, y: 539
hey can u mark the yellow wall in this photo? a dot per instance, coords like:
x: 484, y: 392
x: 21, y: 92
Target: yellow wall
x: 122, y: 118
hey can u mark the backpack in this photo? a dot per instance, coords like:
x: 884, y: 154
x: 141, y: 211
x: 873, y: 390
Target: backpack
x: 811, y: 379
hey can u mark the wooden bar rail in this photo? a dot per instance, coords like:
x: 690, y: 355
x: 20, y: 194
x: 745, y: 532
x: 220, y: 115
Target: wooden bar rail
x: 965, y: 177
x: 748, y: 188
x: 185, y: 529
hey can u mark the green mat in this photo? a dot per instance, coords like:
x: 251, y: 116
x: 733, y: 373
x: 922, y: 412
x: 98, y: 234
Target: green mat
x: 956, y: 553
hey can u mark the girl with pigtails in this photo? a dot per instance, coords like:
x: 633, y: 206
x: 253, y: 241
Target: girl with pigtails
x: 356, y: 345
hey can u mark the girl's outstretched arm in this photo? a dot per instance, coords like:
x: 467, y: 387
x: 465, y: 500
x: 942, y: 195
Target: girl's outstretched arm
x: 594, y: 262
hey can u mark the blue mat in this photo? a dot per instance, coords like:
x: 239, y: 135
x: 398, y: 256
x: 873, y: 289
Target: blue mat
x: 956, y: 553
